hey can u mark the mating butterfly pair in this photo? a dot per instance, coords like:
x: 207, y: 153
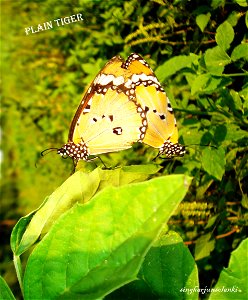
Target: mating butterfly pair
x: 123, y: 105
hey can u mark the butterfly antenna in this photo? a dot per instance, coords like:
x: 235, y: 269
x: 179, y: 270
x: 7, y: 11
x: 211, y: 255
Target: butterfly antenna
x: 43, y: 153
x: 46, y: 151
x: 202, y: 145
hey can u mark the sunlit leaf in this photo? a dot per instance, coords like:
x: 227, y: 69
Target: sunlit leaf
x: 204, y: 246
x: 168, y: 272
x: 98, y: 246
x: 80, y: 187
x: 234, y: 278
x: 213, y: 162
x: 169, y: 268
x: 200, y: 83
x: 241, y: 51
x: 216, y: 59
x: 224, y: 35
x: 202, y: 20
x: 243, y: 3
x: 173, y: 65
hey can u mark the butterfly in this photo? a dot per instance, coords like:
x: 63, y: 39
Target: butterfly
x: 162, y: 131
x: 107, y: 119
x: 124, y: 104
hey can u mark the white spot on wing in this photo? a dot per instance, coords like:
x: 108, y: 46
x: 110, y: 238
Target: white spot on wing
x: 118, y: 80
x: 128, y: 83
x: 105, y: 79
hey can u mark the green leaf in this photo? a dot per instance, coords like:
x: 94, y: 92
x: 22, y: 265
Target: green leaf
x: 205, y: 184
x: 224, y: 35
x: 5, y: 291
x: 241, y: 51
x: 90, y: 68
x: 213, y: 162
x: 204, y: 246
x: 173, y: 65
x: 220, y: 133
x: 244, y: 201
x: 217, y: 3
x: 212, y: 221
x: 166, y: 273
x: 233, y: 18
x: 234, y: 133
x: 202, y: 20
x: 136, y: 289
x: 19, y: 230
x: 96, y: 247
x: 169, y: 268
x: 216, y: 83
x: 207, y: 83
x: 244, y: 94
x: 243, y: 3
x: 232, y: 283
x: 60, y: 201
x: 216, y: 59
x: 200, y: 83
x: 236, y: 99
x: 246, y: 19
x: 31, y: 227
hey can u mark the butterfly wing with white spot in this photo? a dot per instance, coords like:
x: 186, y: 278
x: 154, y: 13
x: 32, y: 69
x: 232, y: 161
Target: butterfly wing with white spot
x: 113, y: 123
x: 152, y: 98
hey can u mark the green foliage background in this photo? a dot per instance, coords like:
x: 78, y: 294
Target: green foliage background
x: 199, y: 53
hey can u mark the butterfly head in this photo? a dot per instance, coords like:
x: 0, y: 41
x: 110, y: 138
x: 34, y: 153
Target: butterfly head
x: 75, y: 151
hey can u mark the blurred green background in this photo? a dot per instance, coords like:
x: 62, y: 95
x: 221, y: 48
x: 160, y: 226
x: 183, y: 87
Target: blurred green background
x: 45, y: 74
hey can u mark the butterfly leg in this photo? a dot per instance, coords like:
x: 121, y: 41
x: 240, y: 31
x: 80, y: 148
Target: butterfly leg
x: 156, y: 156
x: 98, y: 157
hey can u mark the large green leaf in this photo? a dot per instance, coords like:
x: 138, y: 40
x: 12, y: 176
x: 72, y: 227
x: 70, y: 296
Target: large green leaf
x: 168, y: 272
x: 232, y: 283
x: 96, y: 247
x: 61, y: 200
x: 80, y: 187
x: 169, y: 268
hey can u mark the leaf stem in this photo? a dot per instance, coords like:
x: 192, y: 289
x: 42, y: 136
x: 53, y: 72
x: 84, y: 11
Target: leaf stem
x: 19, y: 273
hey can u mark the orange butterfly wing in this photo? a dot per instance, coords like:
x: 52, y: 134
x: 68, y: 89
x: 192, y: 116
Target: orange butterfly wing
x: 162, y: 129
